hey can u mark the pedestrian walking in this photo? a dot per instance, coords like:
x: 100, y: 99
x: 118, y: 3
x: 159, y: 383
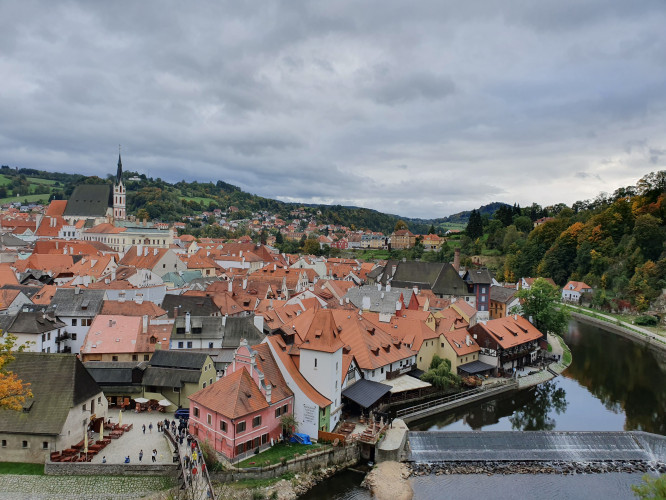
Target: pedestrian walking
x: 154, y: 456
x: 187, y: 461
x: 150, y: 427
x: 195, y: 457
x: 140, y: 455
x: 143, y: 427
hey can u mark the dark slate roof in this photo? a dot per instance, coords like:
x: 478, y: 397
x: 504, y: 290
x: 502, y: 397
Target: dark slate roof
x: 58, y: 383
x: 475, y: 367
x: 366, y: 392
x: 449, y: 282
x: 196, y: 306
x: 169, y: 377
x: 34, y: 322
x: 479, y: 276
x: 178, y: 359
x: 441, y: 278
x: 67, y: 302
x: 501, y: 294
x: 90, y: 200
x: 6, y: 321
x: 238, y: 328
x: 9, y: 240
x: 112, y: 373
x: 27, y: 290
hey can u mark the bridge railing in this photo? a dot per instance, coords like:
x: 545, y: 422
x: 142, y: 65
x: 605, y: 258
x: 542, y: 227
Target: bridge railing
x: 453, y: 397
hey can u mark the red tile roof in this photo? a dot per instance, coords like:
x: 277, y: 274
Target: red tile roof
x: 234, y: 395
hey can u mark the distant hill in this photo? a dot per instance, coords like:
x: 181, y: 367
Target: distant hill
x: 463, y: 217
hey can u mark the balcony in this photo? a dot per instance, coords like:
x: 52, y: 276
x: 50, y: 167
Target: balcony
x: 62, y: 337
x: 400, y: 371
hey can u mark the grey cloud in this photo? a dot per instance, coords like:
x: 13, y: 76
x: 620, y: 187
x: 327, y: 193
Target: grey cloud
x: 418, y: 109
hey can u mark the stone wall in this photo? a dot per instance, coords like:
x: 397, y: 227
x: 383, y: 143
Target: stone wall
x: 89, y: 469
x: 347, y: 455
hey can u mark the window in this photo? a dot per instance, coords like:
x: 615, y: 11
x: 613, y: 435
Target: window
x: 256, y: 421
x: 134, y: 357
x: 336, y: 366
x: 240, y: 427
x: 24, y: 444
x: 99, y: 400
x: 315, y: 363
x: 209, y: 419
x: 180, y: 345
x: 223, y: 426
x: 204, y: 385
x: 257, y: 442
x: 483, y: 289
x: 210, y: 345
x: 146, y: 357
x: 73, y: 336
x: 264, y: 438
x: 48, y: 336
x: 114, y: 358
x: 196, y: 411
x: 210, y: 381
x: 189, y: 345
x: 74, y: 322
x: 285, y: 409
x: 277, y: 412
x: 240, y: 449
x: 4, y: 443
x: 45, y: 445
x: 83, y: 408
x: 176, y: 389
x: 86, y: 322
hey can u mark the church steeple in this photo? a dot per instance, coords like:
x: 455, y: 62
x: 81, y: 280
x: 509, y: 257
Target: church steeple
x: 119, y: 192
x: 119, y: 174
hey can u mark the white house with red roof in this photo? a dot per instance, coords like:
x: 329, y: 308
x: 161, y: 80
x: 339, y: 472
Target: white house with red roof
x: 574, y: 290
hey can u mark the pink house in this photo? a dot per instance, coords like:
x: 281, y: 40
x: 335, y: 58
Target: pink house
x: 241, y: 412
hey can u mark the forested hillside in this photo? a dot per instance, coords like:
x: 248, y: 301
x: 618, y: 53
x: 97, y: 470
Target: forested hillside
x: 615, y: 243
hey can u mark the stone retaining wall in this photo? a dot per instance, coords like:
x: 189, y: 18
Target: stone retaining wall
x: 88, y: 469
x: 345, y: 456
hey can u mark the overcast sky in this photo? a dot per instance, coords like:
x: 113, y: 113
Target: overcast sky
x: 421, y: 108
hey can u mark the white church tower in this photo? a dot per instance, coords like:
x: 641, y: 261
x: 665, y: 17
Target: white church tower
x: 119, y: 193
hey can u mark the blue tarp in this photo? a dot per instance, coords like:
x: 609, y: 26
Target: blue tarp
x: 300, y: 438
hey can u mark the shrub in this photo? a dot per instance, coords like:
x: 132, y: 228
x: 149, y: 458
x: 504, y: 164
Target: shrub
x: 646, y: 320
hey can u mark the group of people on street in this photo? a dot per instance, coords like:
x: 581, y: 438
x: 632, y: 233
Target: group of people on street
x: 153, y: 455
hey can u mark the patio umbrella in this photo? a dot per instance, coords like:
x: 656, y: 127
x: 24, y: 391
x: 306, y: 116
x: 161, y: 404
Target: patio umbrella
x: 165, y: 402
x: 101, y: 431
x: 141, y: 400
x: 85, y: 443
x: 120, y: 417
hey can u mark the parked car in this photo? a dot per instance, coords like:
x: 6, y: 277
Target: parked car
x: 182, y: 413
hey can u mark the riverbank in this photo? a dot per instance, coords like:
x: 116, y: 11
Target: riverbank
x: 388, y: 481
x: 651, y: 340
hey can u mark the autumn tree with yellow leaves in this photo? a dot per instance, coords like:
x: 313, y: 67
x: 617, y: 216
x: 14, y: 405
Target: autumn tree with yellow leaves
x: 13, y: 391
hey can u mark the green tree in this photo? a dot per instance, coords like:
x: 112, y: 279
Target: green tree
x: 289, y: 424
x: 475, y: 225
x: 652, y: 488
x: 142, y: 214
x: 649, y: 234
x: 311, y: 246
x: 540, y: 305
x: 432, y: 229
x: 279, y: 238
x: 439, y: 374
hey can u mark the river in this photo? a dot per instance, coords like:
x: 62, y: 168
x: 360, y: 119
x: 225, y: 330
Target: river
x: 612, y: 384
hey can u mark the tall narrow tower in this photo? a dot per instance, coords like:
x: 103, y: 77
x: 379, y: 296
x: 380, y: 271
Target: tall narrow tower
x: 119, y: 193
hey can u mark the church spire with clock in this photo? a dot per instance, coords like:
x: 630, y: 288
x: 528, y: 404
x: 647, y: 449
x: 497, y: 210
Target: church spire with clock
x: 119, y: 193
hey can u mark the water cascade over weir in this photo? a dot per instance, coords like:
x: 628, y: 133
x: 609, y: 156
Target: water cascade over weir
x: 535, y: 446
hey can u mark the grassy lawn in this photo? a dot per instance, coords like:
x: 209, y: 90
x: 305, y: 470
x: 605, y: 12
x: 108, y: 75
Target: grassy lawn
x: 21, y: 468
x: 4, y: 180
x: 198, y: 199
x: 31, y: 198
x: 259, y: 483
x: 37, y: 180
x: 371, y: 254
x: 627, y: 318
x: 566, y: 356
x: 273, y: 455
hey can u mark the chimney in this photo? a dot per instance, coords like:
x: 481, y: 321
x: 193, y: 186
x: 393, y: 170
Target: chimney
x: 244, y: 283
x: 145, y: 222
x: 145, y: 251
x: 187, y: 322
x: 224, y: 320
x: 138, y: 298
x: 388, y: 287
x: 139, y: 250
x: 155, y: 251
x: 77, y: 290
x: 274, y: 267
x: 145, y: 323
x: 113, y: 275
x: 110, y: 323
x: 456, y: 259
x: 175, y: 312
x: 230, y: 286
x: 269, y: 389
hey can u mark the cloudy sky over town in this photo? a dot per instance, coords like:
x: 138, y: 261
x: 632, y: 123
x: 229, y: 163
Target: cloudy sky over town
x: 421, y: 109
